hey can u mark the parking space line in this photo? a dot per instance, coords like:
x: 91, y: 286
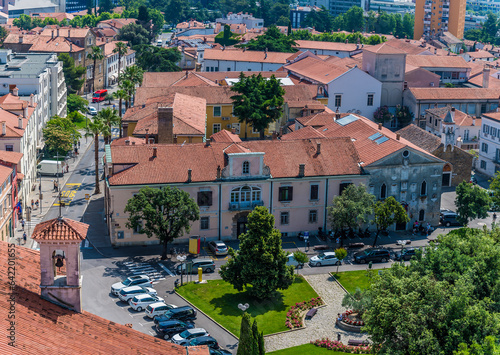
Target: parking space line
x: 166, y: 269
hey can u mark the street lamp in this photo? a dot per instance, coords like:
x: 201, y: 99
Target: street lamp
x: 243, y: 307
x: 181, y: 258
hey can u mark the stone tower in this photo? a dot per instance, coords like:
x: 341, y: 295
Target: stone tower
x: 59, y: 240
x: 448, y: 132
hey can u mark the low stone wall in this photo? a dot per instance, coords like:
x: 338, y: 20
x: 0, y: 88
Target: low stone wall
x: 348, y: 327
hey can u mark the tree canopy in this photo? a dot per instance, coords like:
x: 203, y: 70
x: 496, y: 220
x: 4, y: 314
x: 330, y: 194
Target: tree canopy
x: 472, y: 202
x: 134, y: 34
x: 59, y: 135
x: 388, y: 212
x: 260, y: 263
x: 272, y: 41
x: 157, y: 59
x: 351, y: 208
x: 165, y: 213
x: 73, y: 76
x: 76, y: 103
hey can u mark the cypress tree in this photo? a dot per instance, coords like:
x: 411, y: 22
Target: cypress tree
x: 259, y: 339
x: 246, y: 344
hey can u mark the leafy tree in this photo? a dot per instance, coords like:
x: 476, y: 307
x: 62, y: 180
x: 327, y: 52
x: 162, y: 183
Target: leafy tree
x: 301, y: 258
x: 109, y: 97
x: 258, y: 102
x: 408, y: 23
x: 494, y: 184
x: 339, y: 23
x: 121, y: 49
x: 134, y: 34
x: 143, y: 15
x: 226, y: 37
x: 260, y: 264
x: 110, y: 118
x: 490, y: 28
x: 359, y: 301
x: 272, y: 40
x: 404, y: 115
x: 247, y: 343
x: 23, y: 22
x: 351, y: 208
x: 165, y: 213
x: 106, y: 6
x: 472, y: 202
x: 96, y: 54
x: 320, y: 20
x: 129, y: 87
x: 387, y: 213
x: 341, y: 254
x: 175, y: 10
x: 158, y: 21
x: 354, y: 19
x: 57, y: 140
x: 3, y: 34
x: 277, y: 11
x: 76, y: 103
x: 382, y: 114
x: 96, y: 127
x: 385, y: 23
x: 73, y: 76
x: 489, y: 346
x: 156, y: 59
x: 473, y: 35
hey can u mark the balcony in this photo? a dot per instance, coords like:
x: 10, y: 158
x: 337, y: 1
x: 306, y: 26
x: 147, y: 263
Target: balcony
x: 244, y: 206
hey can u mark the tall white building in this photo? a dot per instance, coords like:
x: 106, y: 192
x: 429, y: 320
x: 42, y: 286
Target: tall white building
x: 489, y: 144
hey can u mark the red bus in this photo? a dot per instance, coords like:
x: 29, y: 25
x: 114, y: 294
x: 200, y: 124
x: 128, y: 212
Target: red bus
x: 99, y: 95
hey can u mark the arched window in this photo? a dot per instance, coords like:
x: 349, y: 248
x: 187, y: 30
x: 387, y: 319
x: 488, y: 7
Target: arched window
x: 246, y: 167
x: 245, y: 194
x: 383, y: 191
x: 423, y: 189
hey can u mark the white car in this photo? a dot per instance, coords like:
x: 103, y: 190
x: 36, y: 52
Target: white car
x: 130, y: 292
x: 140, y: 302
x: 326, y: 258
x: 139, y: 280
x: 158, y: 308
x: 185, y: 337
x: 92, y: 110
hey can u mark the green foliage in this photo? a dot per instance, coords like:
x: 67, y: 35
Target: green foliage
x: 249, y: 337
x: 404, y: 115
x: 337, y: 37
x: 341, y: 254
x: 489, y: 346
x: 260, y: 264
x: 226, y: 37
x: 73, y: 76
x: 106, y: 6
x: 359, y: 301
x: 301, y: 258
x: 473, y: 35
x: 382, y: 114
x: 76, y: 117
x: 258, y: 102
x: 59, y: 135
x: 472, y: 202
x: 134, y: 34
x: 276, y: 12
x: 164, y: 213
x: 354, y: 19
x: 3, y: 34
x: 449, y: 85
x: 176, y: 11
x: 351, y: 208
x: 157, y: 59
x: 110, y: 118
x: 94, y: 128
x: 76, y: 103
x: 23, y: 22
x: 321, y: 21
x: 388, y: 212
x: 109, y: 97
x: 494, y: 184
x: 272, y: 40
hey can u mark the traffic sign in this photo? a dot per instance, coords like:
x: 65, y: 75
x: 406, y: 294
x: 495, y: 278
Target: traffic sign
x: 87, y: 197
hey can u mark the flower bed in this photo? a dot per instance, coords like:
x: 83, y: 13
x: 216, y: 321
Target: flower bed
x: 347, y: 318
x: 338, y: 346
x: 294, y: 316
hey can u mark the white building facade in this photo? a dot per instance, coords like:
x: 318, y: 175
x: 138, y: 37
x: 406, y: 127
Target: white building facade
x: 489, y: 144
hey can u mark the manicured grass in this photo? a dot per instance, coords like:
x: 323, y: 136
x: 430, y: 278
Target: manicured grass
x: 220, y: 300
x: 308, y: 349
x: 81, y: 124
x: 354, y: 279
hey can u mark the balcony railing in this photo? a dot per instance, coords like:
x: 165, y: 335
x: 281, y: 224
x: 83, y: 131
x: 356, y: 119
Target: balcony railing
x: 244, y: 206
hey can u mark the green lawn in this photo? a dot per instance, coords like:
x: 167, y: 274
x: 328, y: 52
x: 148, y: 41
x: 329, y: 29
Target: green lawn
x: 220, y: 300
x: 354, y: 279
x: 81, y: 125
x: 306, y: 349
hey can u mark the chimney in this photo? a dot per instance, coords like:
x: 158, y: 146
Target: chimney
x: 302, y: 168
x: 155, y: 152
x: 147, y: 135
x: 32, y: 100
x: 380, y: 126
x: 127, y: 142
x: 4, y: 128
x: 58, y: 32
x: 398, y: 136
x: 486, y: 77
x: 218, y: 172
x: 461, y: 51
x: 20, y: 122
x: 26, y: 111
x: 71, y: 47
x: 473, y: 121
x: 21, y: 38
x: 274, y: 136
x: 189, y: 175
x: 52, y: 33
x: 133, y: 142
x: 318, y: 148
x: 207, y: 142
x: 15, y: 91
x: 165, y: 125
x: 337, y: 114
x: 69, y: 32
x: 435, y: 51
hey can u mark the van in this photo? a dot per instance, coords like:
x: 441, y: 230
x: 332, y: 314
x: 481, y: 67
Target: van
x: 158, y: 308
x: 51, y: 167
x: 180, y: 313
x: 159, y: 43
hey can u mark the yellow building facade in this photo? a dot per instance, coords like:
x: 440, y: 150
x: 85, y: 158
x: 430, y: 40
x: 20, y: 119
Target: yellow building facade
x: 431, y: 16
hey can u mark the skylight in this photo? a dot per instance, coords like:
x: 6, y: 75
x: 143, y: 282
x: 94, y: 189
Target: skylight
x: 381, y: 140
x: 346, y: 120
x: 375, y: 136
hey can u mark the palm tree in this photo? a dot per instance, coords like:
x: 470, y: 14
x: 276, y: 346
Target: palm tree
x: 96, y: 127
x: 110, y: 118
x: 135, y: 74
x: 121, y: 95
x: 121, y: 49
x: 95, y: 55
x: 129, y: 87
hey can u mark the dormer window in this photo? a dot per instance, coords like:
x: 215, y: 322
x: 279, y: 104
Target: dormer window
x: 246, y: 167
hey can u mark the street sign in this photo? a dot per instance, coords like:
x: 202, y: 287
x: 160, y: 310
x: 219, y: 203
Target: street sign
x: 87, y: 197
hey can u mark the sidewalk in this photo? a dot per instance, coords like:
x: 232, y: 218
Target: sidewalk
x: 48, y: 197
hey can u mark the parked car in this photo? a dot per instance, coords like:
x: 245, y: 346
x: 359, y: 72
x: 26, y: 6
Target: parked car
x: 326, y: 258
x: 374, y: 255
x: 473, y: 179
x: 204, y: 340
x: 169, y: 328
x: 92, y: 110
x: 449, y: 219
x: 405, y: 254
x: 218, y: 247
x: 140, y: 302
x: 158, y: 308
x: 206, y: 264
x: 218, y: 351
x: 292, y: 262
x: 130, y: 292
x: 185, y: 337
x: 180, y: 313
x: 139, y: 280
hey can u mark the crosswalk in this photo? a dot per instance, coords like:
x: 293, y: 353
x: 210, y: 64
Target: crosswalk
x: 30, y: 225
x: 136, y: 268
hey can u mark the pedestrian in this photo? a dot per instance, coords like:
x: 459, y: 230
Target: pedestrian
x: 37, y: 203
x: 338, y: 240
x: 32, y: 204
x: 428, y: 228
x: 24, y: 237
x: 78, y: 144
x: 54, y: 183
x: 494, y: 217
x: 56, y: 186
x: 22, y: 223
x: 339, y: 337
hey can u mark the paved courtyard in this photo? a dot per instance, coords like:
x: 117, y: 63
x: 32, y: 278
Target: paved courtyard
x: 322, y: 325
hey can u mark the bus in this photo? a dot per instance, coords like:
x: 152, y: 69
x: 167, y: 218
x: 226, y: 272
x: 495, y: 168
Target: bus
x: 99, y: 95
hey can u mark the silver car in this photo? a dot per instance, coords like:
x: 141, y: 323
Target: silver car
x: 218, y: 247
x: 326, y: 258
x: 130, y: 292
x: 184, y: 337
x: 139, y: 280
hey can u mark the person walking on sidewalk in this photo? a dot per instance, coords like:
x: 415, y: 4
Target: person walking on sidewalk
x: 32, y: 204
x: 22, y: 223
x: 37, y: 203
x: 24, y: 237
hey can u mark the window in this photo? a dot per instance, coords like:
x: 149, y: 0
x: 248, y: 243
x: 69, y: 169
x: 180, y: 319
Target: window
x: 79, y: 56
x: 204, y: 198
x: 314, y: 193
x: 484, y: 147
x: 369, y: 101
x: 483, y: 108
x: 285, y: 193
x: 216, y: 128
x: 246, y: 167
x: 423, y: 189
x: 436, y: 122
x: 383, y: 191
x: 430, y: 119
x: 313, y: 216
x: 343, y: 186
x: 217, y: 111
x: 483, y: 164
x: 236, y: 127
x: 205, y: 223
x: 284, y: 217
x: 138, y: 228
x: 246, y: 194
x: 338, y: 100
x: 9, y: 147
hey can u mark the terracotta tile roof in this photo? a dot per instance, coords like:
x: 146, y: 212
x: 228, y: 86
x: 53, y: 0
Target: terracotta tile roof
x: 161, y: 79
x: 56, y: 44
x: 221, y: 75
x: 10, y: 157
x: 194, y: 79
x: 331, y: 46
x: 384, y: 48
x: 460, y: 118
x: 312, y: 105
x: 13, y: 38
x: 477, y: 67
x: 45, y: 328
x: 318, y: 120
x: 316, y: 70
x: 434, y: 61
x: 480, y: 54
x: 492, y: 115
x: 131, y: 141
x: 238, y: 55
x: 224, y: 136
x: 420, y: 137
x: 12, y: 124
x: 60, y: 229
x: 303, y: 133
x: 110, y: 46
x: 190, y: 24
x: 454, y: 93
x: 68, y: 32
x: 59, y: 16
x: 106, y: 32
x: 348, y: 62
x: 477, y: 80
x: 283, y: 157
x: 5, y: 173
x: 118, y: 22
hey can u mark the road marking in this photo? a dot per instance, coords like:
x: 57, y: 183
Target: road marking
x: 69, y: 194
x: 166, y: 269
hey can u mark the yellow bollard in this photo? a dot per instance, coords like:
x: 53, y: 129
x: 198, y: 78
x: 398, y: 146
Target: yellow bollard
x: 200, y: 275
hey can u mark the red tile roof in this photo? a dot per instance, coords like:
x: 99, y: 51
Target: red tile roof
x: 331, y: 46
x: 316, y: 70
x: 238, y: 55
x: 60, y: 229
x: 460, y: 118
x: 434, y: 61
x: 384, y: 48
x: 225, y: 136
x: 454, y: 93
x: 480, y: 54
x: 492, y: 115
x: 45, y: 328
x: 303, y: 133
x: 5, y: 173
x: 10, y: 157
x: 131, y: 141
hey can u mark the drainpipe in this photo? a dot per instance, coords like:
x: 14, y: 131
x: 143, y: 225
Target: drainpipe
x: 220, y: 204
x: 326, y: 205
x: 271, y: 199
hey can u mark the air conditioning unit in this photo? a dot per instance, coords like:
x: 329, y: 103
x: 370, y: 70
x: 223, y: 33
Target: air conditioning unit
x: 226, y: 118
